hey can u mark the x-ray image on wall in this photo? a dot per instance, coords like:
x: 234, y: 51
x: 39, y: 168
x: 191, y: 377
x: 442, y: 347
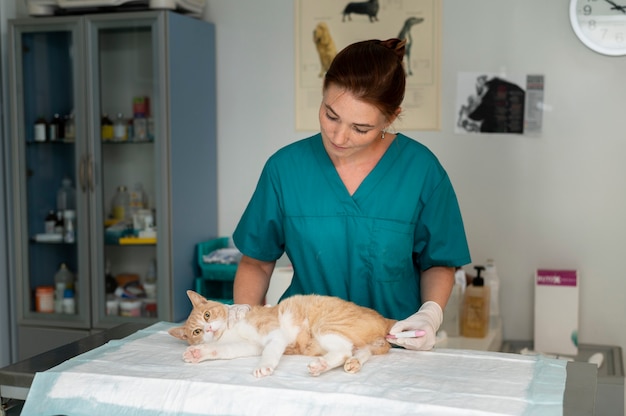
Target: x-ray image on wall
x: 493, y: 103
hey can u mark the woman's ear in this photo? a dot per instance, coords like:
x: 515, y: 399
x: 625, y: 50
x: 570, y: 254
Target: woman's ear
x: 394, y: 116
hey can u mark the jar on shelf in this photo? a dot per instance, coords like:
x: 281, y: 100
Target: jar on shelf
x: 120, y: 207
x: 44, y: 299
x: 106, y: 126
x: 55, y: 128
x: 63, y: 279
x: 120, y: 128
x: 70, y: 128
x: 40, y: 129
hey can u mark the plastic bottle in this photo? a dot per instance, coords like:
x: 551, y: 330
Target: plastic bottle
x: 475, y: 317
x: 55, y: 128
x: 69, y: 234
x: 492, y: 280
x: 66, y: 196
x: 120, y: 206
x: 63, y: 279
x: 138, y: 198
x: 50, y: 222
x: 106, y: 126
x: 69, y: 303
x: 150, y: 283
x: 40, y: 129
x: 70, y: 128
x: 120, y: 128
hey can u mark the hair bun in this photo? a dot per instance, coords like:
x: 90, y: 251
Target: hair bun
x: 396, y: 45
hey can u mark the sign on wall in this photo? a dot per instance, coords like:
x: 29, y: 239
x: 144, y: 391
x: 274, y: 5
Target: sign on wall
x: 324, y: 27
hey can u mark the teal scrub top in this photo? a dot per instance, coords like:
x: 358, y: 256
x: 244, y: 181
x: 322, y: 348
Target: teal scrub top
x: 368, y: 247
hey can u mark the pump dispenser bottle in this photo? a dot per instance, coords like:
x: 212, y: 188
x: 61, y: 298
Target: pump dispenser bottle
x: 475, y: 317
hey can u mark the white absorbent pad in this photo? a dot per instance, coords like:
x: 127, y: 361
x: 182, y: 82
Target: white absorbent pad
x: 144, y: 374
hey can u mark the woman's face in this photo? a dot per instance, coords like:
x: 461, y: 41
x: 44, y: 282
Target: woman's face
x: 348, y: 125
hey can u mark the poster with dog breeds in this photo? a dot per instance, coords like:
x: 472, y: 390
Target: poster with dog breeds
x: 324, y: 27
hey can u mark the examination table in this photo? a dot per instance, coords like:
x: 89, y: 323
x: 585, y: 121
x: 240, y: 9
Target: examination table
x: 131, y: 370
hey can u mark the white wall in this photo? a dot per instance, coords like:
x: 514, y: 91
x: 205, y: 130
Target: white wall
x: 553, y: 200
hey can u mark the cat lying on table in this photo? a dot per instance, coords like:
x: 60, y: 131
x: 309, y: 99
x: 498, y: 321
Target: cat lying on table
x: 334, y: 330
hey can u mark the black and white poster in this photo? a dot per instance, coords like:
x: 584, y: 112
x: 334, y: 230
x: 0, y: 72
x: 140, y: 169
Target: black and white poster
x: 498, y: 103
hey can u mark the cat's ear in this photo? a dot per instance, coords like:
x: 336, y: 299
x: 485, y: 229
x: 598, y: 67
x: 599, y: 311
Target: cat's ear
x: 195, y: 298
x: 178, y: 332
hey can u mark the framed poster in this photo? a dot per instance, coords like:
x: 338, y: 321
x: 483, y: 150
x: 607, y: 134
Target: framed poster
x: 324, y: 27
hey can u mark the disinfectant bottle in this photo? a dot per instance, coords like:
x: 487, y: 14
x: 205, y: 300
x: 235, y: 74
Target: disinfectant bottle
x: 475, y: 316
x: 492, y: 280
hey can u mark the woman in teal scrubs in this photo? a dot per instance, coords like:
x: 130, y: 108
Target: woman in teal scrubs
x: 363, y: 214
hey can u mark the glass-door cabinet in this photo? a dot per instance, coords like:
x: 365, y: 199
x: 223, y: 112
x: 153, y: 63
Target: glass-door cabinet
x: 113, y: 169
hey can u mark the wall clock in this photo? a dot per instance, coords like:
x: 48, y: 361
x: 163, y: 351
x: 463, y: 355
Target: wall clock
x: 600, y: 24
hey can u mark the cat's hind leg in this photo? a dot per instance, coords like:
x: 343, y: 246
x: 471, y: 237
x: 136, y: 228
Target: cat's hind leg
x: 337, y: 348
x: 359, y: 357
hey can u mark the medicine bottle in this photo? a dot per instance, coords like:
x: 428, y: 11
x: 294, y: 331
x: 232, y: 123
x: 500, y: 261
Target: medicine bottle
x: 40, y: 129
x: 66, y: 196
x: 69, y: 303
x: 44, y: 299
x: 50, y: 222
x: 106, y: 126
x: 70, y: 128
x: 120, y: 128
x: 120, y: 206
x: 55, y: 128
x: 63, y: 279
x: 69, y: 234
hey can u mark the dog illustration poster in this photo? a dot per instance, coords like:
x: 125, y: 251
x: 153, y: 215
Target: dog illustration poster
x: 324, y: 27
x: 495, y: 103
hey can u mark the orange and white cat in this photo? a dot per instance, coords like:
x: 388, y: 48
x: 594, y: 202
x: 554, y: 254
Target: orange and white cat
x: 336, y: 331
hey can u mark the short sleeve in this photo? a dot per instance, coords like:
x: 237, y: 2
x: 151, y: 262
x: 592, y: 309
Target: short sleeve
x: 440, y: 233
x: 260, y: 232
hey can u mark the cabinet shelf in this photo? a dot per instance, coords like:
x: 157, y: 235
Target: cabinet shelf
x: 89, y: 65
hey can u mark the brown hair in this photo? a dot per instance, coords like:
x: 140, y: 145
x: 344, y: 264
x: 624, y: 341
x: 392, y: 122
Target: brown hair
x: 372, y: 71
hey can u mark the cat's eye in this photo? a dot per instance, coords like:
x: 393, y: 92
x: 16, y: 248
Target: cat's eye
x: 197, y: 331
x: 207, y: 315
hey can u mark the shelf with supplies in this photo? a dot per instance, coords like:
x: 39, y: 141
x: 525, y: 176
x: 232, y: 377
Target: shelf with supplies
x: 64, y: 74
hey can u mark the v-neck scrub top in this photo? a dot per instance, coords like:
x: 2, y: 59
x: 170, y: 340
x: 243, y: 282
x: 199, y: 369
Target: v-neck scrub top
x: 369, y: 247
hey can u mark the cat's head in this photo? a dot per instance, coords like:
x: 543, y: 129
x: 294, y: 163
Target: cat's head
x: 206, y: 322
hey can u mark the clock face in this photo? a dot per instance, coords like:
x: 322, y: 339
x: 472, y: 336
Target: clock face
x: 600, y: 24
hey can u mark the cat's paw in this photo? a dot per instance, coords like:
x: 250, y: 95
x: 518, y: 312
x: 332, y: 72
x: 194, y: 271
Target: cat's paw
x: 317, y: 367
x: 352, y: 365
x: 192, y: 355
x: 263, y: 371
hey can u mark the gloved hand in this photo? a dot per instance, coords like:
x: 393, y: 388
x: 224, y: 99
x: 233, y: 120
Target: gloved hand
x: 236, y: 312
x: 428, y: 318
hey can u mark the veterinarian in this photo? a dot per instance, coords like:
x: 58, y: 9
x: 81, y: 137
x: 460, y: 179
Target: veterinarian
x: 363, y: 213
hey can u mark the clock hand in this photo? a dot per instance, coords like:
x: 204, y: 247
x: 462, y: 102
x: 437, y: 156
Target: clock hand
x: 616, y: 6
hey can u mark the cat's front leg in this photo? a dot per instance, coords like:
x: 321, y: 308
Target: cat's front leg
x: 217, y: 351
x: 198, y: 353
x: 272, y: 352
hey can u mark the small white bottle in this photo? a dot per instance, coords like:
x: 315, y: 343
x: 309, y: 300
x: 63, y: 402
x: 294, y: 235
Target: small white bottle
x: 63, y: 279
x: 120, y: 128
x: 492, y: 280
x: 69, y: 303
x: 69, y: 234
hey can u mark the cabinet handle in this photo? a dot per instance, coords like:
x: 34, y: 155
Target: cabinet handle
x: 81, y: 173
x: 90, y: 180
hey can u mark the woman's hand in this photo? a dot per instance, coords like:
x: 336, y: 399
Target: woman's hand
x: 427, y: 319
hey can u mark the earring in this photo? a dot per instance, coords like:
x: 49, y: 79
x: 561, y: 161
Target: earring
x: 382, y: 137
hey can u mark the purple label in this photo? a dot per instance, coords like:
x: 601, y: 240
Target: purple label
x: 557, y: 278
